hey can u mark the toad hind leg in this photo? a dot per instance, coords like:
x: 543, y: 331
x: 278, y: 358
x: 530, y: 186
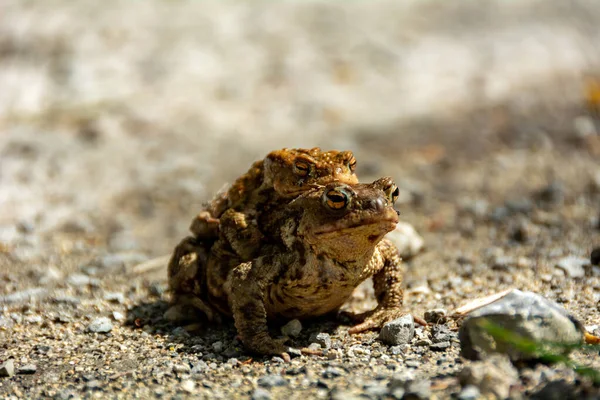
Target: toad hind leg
x: 246, y: 296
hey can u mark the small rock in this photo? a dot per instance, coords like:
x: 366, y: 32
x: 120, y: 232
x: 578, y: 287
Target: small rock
x: 493, y: 376
x: 440, y: 346
x: 261, y: 394
x: 397, y: 350
x: 93, y: 384
x: 531, y: 315
x: 469, y: 392
x: 7, y: 368
x: 27, y: 369
x: 322, y: 338
x: 100, y: 325
x: 435, y: 316
x: 181, y: 369
x: 595, y: 256
x: 115, y: 297
x: 292, y: 328
x: 416, y: 390
x: 314, y: 347
x: 218, y: 346
x: 358, y: 350
x: 406, y: 239
x: 441, y: 333
x: 574, y: 267
x: 293, y: 352
x: 398, y: 331
x: 117, y: 316
x: 188, y: 386
x: 24, y: 295
x: 412, y: 363
x: 200, y: 367
x: 271, y: 381
x: 331, y: 372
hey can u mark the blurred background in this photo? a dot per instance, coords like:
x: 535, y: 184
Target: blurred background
x: 119, y: 119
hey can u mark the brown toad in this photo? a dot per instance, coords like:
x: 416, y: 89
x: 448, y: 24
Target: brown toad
x: 331, y: 239
x: 281, y: 176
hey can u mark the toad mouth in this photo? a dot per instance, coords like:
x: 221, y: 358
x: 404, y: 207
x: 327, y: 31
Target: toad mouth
x: 388, y: 223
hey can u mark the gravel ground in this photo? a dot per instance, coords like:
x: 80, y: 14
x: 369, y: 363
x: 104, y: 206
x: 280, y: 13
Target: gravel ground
x: 117, y: 122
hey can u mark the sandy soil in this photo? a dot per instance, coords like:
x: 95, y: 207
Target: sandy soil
x: 118, y: 121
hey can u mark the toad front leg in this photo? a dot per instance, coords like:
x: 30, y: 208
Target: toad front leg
x: 388, y: 291
x: 246, y: 289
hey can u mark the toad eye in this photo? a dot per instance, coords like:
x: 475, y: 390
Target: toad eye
x: 336, y: 199
x: 352, y: 164
x: 301, y: 168
x: 395, y: 193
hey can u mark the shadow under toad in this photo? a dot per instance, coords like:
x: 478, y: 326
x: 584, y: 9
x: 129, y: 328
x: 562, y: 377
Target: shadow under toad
x: 217, y: 342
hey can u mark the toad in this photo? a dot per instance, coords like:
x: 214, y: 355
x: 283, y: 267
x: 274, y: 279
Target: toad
x: 330, y: 240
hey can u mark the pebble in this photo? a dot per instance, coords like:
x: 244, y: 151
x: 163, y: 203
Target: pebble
x: 188, y: 386
x: 397, y: 350
x: 292, y: 328
x: 398, y: 331
x: 24, y: 295
x: 115, y: 297
x: 406, y: 239
x: 27, y: 369
x: 182, y: 369
x: 531, y: 315
x: 441, y: 333
x: 314, y: 347
x: 261, y: 394
x: 7, y: 368
x: 440, y: 346
x: 573, y: 266
x: 469, y: 392
x: 322, y: 338
x: 332, y: 372
x: 293, y: 352
x: 271, y: 381
x: 117, y: 316
x: 100, y: 325
x: 218, y: 346
x: 493, y: 376
x: 200, y: 367
x: 436, y: 315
